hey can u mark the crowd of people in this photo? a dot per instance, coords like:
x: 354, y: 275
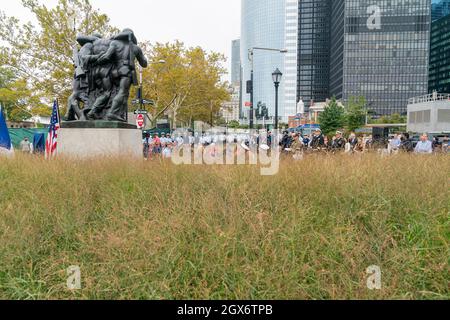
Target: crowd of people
x: 295, y: 144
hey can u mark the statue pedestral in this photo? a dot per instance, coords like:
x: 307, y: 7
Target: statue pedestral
x: 93, y: 139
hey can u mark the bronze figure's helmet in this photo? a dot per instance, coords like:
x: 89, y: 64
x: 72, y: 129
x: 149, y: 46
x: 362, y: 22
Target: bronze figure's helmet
x: 97, y: 35
x: 125, y: 36
x: 82, y: 39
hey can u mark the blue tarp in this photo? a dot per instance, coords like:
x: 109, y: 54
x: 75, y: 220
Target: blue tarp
x: 17, y: 135
x: 39, y: 143
x: 5, y: 140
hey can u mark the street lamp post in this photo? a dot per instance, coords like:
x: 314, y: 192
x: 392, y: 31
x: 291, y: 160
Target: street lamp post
x: 251, y: 52
x: 276, y: 76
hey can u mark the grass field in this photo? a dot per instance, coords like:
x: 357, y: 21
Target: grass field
x: 151, y: 230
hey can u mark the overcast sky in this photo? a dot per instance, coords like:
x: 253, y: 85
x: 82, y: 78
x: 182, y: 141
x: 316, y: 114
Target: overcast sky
x: 211, y: 24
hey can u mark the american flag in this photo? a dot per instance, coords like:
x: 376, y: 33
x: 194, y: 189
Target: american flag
x: 52, y: 139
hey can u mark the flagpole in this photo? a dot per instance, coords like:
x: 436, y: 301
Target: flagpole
x: 59, y: 113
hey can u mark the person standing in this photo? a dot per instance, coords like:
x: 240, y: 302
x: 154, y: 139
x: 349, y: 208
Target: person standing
x: 306, y: 140
x: 318, y: 141
x: 394, y: 144
x: 339, y: 142
x: 407, y: 144
x: 146, y: 146
x: 297, y: 147
x: 424, y: 146
x: 25, y: 146
x: 156, y: 145
x: 445, y: 145
x: 353, y: 140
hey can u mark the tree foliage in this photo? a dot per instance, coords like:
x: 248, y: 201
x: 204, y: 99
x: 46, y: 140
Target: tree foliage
x: 333, y: 118
x: 355, y: 113
x: 392, y: 119
x: 188, y: 86
x: 41, y: 54
x: 17, y: 99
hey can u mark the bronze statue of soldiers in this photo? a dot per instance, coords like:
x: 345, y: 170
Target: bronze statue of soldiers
x: 122, y: 52
x: 81, y: 79
x: 105, y: 71
x: 101, y: 85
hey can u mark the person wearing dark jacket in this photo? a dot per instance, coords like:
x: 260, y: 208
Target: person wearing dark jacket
x: 406, y: 143
x: 353, y: 140
x: 286, y: 141
x: 339, y: 142
x: 318, y: 141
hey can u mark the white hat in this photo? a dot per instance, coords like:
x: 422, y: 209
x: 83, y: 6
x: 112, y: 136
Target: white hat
x: 244, y: 146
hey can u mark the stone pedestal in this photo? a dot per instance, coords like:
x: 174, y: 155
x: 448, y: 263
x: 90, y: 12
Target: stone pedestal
x: 82, y: 141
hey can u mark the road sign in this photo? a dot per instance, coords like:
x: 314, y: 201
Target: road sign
x: 148, y: 102
x: 144, y: 112
x: 144, y: 102
x: 249, y: 87
x: 140, y: 121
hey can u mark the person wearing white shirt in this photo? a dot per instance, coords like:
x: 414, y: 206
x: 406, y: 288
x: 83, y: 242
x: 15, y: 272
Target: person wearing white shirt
x: 424, y: 146
x: 395, y: 143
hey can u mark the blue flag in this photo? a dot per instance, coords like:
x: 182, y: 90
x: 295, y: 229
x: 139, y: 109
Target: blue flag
x: 5, y: 140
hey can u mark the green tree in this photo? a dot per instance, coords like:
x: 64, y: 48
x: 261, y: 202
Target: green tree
x: 333, y: 118
x: 188, y: 86
x: 355, y: 113
x: 234, y: 124
x: 17, y: 100
x: 392, y: 119
x: 42, y: 54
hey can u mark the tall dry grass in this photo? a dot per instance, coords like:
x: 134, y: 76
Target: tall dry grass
x: 151, y: 230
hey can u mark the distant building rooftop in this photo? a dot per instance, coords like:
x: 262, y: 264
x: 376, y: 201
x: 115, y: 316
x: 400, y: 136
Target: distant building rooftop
x: 430, y: 98
x: 430, y: 113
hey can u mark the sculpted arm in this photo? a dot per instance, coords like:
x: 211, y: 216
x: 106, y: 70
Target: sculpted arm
x: 141, y: 57
x: 108, y: 55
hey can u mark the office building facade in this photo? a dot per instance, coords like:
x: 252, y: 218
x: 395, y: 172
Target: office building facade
x: 236, y: 62
x: 313, y: 51
x: 236, y: 73
x: 377, y: 49
x: 269, y: 24
x: 440, y: 9
x: 385, y: 52
x: 439, y: 78
x: 291, y: 59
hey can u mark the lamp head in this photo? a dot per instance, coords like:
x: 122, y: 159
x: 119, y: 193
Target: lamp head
x: 276, y: 76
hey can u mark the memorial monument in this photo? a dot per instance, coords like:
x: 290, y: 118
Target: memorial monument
x: 96, y: 120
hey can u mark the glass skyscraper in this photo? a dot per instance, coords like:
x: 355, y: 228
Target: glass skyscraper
x: 236, y: 62
x: 264, y: 25
x: 313, y: 51
x: 337, y: 35
x: 440, y: 56
x: 386, y: 52
x: 440, y: 9
x: 377, y: 49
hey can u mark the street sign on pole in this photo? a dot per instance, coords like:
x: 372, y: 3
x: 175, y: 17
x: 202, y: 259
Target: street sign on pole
x: 148, y: 102
x: 143, y: 102
x: 140, y: 121
x: 144, y: 112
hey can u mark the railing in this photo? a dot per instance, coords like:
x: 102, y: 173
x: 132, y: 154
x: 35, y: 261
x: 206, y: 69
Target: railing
x: 430, y: 98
